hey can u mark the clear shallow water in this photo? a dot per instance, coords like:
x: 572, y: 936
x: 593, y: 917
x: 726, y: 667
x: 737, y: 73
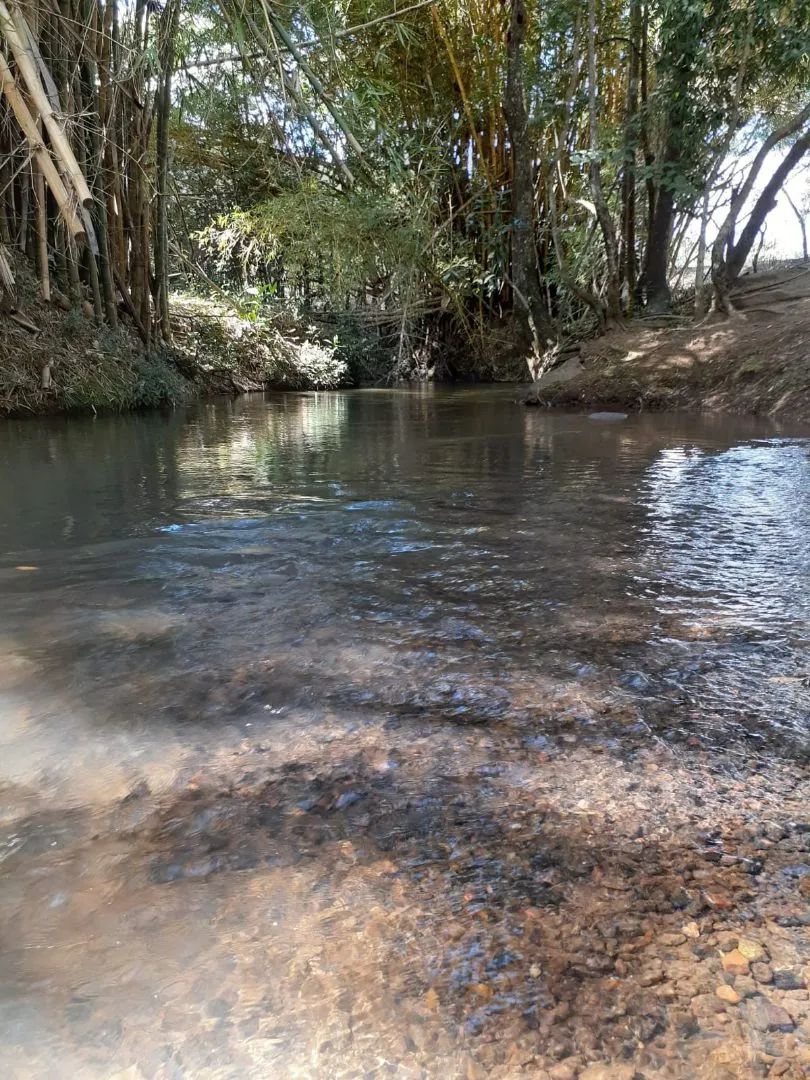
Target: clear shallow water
x: 386, y: 550
x: 277, y: 574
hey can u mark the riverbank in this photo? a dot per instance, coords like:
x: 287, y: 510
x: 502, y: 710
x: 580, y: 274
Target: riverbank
x: 55, y: 358
x: 756, y: 362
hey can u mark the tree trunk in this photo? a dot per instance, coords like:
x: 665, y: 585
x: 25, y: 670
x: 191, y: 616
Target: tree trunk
x: 629, y: 269
x: 163, y: 106
x: 800, y: 217
x: 659, y: 297
x: 94, y: 152
x: 64, y: 200
x: 525, y: 279
x: 700, y: 270
x: 42, y: 235
x: 30, y: 76
x: 613, y: 289
x: 649, y: 157
x: 763, y: 206
x: 724, y: 247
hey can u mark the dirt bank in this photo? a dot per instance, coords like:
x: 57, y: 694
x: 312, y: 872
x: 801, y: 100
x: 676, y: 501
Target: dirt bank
x: 54, y: 357
x: 756, y: 362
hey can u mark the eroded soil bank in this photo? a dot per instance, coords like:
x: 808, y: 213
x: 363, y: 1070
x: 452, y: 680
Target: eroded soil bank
x: 756, y: 362
x: 55, y: 358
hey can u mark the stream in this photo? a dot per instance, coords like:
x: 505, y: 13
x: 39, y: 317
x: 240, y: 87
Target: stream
x: 386, y: 732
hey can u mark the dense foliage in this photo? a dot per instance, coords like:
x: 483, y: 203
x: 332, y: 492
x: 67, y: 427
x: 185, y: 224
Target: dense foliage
x: 427, y: 179
x: 387, y: 177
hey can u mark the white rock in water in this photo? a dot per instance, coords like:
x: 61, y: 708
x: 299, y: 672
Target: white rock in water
x: 607, y: 416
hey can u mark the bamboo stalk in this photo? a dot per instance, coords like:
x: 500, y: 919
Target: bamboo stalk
x: 313, y: 79
x: 30, y: 76
x: 42, y: 234
x: 44, y: 160
x: 6, y: 276
x: 28, y: 36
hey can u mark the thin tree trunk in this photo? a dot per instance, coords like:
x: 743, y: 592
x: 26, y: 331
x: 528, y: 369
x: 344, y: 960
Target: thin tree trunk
x: 42, y: 235
x: 628, y: 262
x: 649, y: 157
x: 162, y: 113
x: 524, y: 276
x: 94, y: 156
x: 83, y: 161
x: 612, y: 285
x: 800, y: 217
x: 760, y: 245
x: 700, y: 269
x: 22, y: 227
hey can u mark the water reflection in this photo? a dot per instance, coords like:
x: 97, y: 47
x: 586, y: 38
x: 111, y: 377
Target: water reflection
x: 728, y: 559
x: 345, y: 548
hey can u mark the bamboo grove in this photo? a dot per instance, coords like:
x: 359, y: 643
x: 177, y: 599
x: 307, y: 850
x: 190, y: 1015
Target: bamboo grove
x: 84, y: 152
x: 426, y: 167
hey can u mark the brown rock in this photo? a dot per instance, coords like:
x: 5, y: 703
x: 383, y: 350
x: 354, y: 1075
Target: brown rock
x: 671, y: 940
x: 745, y: 986
x: 762, y: 973
x: 608, y: 1072
x: 652, y: 974
x: 728, y: 994
x: 765, y: 1015
x: 797, y: 1009
x: 735, y: 963
x: 732, y: 1057
x: 473, y: 1070
x: 726, y: 939
x: 705, y: 1005
x: 562, y: 1071
x: 718, y: 898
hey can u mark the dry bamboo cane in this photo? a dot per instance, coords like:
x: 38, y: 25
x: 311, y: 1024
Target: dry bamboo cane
x: 6, y: 276
x: 28, y: 71
x: 42, y: 233
x: 44, y: 160
x: 40, y: 197
x: 28, y: 35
